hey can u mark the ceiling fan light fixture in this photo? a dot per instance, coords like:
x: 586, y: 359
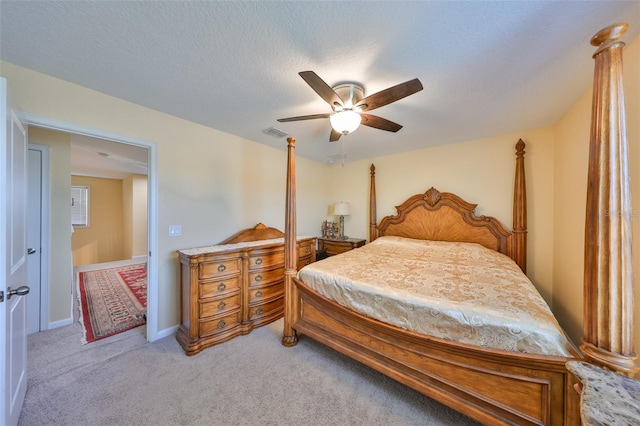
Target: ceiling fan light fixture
x: 349, y: 104
x: 345, y: 121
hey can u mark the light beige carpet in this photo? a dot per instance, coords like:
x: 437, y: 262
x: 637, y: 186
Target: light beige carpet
x: 250, y: 380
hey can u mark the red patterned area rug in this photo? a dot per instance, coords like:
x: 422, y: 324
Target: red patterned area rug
x: 112, y: 300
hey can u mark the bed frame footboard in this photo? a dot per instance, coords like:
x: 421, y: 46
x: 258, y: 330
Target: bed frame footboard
x: 492, y: 387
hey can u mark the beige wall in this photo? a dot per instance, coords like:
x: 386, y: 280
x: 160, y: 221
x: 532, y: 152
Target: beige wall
x: 60, y: 262
x: 103, y: 240
x: 571, y: 160
x: 134, y: 200
x: 210, y: 182
x: 118, y: 220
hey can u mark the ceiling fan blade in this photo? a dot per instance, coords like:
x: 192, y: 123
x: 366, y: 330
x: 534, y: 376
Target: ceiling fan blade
x: 379, y: 123
x: 389, y: 95
x: 323, y: 89
x: 304, y: 117
x: 335, y: 135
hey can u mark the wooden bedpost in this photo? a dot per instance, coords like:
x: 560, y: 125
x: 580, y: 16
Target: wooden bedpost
x: 608, y: 292
x: 520, y: 210
x: 289, y: 337
x: 373, y: 224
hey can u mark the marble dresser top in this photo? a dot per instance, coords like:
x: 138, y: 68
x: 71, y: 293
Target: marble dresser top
x: 607, y: 398
x: 224, y: 247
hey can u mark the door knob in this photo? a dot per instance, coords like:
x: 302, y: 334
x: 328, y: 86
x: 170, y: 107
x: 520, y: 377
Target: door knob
x: 31, y: 251
x: 20, y: 291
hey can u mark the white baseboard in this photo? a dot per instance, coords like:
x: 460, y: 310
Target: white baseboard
x: 60, y: 323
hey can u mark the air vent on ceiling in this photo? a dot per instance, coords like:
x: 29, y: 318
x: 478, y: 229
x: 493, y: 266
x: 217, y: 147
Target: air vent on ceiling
x: 276, y: 133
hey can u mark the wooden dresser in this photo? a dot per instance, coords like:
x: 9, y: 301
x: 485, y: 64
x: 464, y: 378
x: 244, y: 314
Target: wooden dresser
x: 229, y: 289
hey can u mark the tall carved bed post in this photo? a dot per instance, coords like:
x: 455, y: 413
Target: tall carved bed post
x: 608, y: 291
x: 520, y: 210
x: 289, y: 337
x: 373, y: 225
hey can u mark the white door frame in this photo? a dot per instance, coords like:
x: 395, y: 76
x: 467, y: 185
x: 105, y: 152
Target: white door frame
x: 45, y: 253
x: 152, y: 212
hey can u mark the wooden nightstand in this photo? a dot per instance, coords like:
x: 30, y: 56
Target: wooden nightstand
x: 329, y: 247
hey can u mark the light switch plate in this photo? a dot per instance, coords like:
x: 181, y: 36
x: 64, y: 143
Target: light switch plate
x: 175, y: 230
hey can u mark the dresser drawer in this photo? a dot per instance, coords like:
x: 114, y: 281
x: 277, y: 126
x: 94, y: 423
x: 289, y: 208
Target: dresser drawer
x: 265, y: 308
x: 219, y: 324
x: 219, y: 306
x: 266, y: 258
x: 305, y: 249
x: 336, y: 248
x: 256, y: 295
x: 219, y: 268
x: 218, y: 287
x: 265, y: 277
x: 304, y: 262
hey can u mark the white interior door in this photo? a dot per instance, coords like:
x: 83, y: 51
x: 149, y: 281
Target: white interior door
x: 13, y: 260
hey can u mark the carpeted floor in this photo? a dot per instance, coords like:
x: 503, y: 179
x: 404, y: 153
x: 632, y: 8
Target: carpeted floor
x: 250, y: 380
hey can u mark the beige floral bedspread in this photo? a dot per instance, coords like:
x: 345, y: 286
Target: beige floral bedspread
x: 457, y: 291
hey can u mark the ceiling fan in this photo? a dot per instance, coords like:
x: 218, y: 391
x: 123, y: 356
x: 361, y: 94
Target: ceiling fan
x: 349, y: 104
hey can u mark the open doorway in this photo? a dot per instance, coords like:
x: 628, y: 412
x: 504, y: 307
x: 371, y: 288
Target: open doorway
x: 109, y: 239
x: 134, y: 156
x: 109, y: 200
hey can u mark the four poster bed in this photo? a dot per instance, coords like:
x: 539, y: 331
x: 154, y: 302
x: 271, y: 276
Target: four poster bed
x: 457, y: 319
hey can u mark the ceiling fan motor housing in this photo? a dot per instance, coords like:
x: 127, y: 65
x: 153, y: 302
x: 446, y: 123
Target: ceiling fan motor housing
x: 350, y: 93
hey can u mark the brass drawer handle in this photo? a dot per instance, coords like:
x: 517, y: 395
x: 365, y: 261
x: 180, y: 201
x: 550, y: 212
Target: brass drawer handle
x: 221, y: 286
x: 221, y: 324
x: 259, y: 311
x: 221, y: 305
x: 221, y: 268
x: 258, y: 293
x: 307, y: 250
x: 258, y: 277
x: 259, y: 261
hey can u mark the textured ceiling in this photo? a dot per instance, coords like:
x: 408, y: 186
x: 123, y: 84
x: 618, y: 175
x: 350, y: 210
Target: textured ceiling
x: 487, y: 68
x: 100, y: 158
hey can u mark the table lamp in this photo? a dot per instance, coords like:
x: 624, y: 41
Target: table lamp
x: 341, y: 209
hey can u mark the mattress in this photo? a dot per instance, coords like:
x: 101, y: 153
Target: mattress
x: 462, y: 292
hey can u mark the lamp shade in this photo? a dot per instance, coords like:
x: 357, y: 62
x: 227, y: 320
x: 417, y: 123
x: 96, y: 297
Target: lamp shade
x: 341, y: 209
x: 345, y: 121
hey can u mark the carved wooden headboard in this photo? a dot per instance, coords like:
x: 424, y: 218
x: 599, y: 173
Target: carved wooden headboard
x: 443, y: 216
x: 258, y: 232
